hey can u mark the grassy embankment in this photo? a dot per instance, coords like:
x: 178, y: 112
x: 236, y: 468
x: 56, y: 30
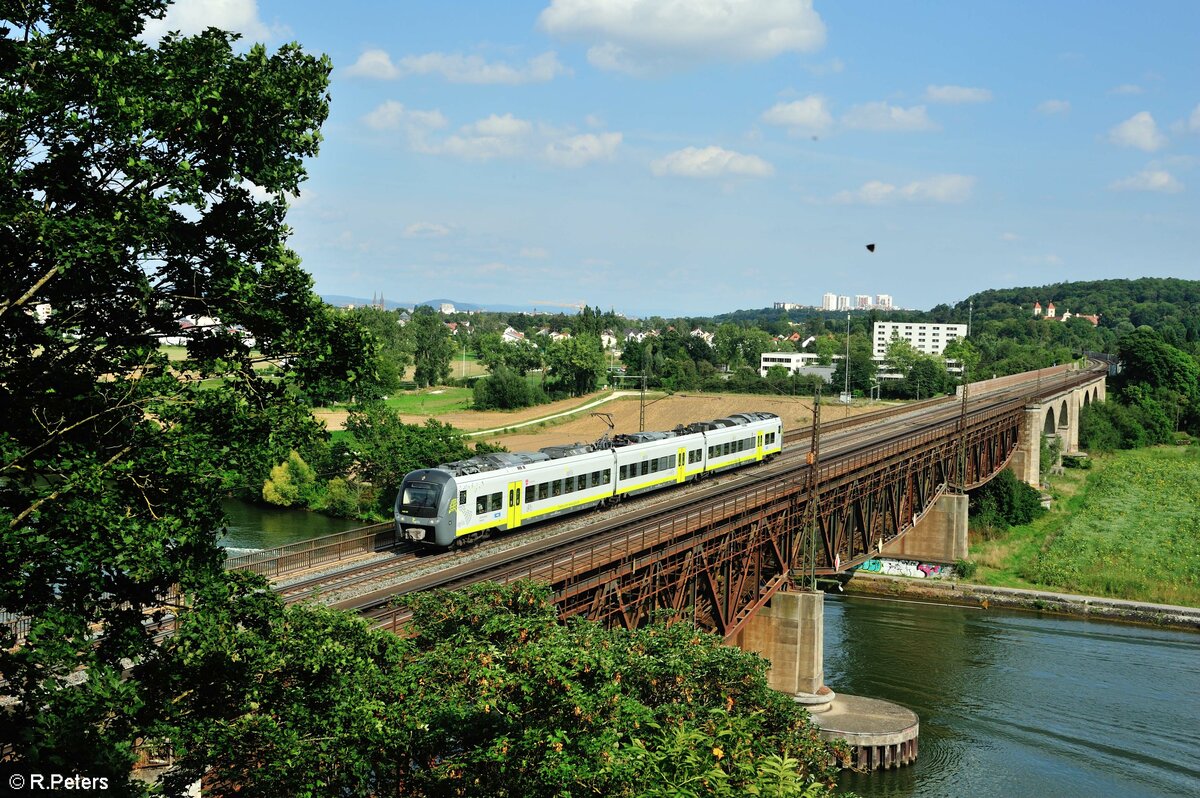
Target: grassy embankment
x: 1129, y: 528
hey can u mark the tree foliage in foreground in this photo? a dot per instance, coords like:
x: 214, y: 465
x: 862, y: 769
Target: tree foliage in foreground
x: 489, y: 696
x: 140, y: 185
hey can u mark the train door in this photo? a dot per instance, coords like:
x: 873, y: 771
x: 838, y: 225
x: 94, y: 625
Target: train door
x: 515, y: 490
x: 680, y: 464
x: 758, y: 446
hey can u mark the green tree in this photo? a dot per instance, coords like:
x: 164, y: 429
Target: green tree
x: 127, y: 203
x: 514, y: 703
x: 432, y: 347
x: 385, y: 448
x: 393, y: 342
x: 576, y: 364
x: 272, y: 701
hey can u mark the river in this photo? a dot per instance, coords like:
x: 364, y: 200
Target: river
x: 253, y: 526
x: 1017, y: 704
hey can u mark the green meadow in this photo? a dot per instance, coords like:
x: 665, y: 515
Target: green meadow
x: 1129, y: 528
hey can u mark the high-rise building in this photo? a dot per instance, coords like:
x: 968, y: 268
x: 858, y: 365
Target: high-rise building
x: 843, y: 303
x: 829, y: 302
x: 883, y: 301
x: 862, y: 301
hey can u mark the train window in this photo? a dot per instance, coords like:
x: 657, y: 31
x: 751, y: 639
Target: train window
x: 462, y: 498
x: 724, y: 448
x: 645, y: 468
x: 481, y: 504
x: 607, y: 476
x: 543, y: 491
x: 621, y: 473
x: 530, y: 492
x: 570, y: 485
x: 654, y: 466
x: 665, y: 463
x: 497, y: 501
x: 595, y: 479
x: 556, y: 487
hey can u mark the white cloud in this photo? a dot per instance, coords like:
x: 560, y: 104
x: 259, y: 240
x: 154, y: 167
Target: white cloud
x: 639, y: 36
x: 956, y: 95
x: 392, y: 115
x: 1051, y: 107
x: 575, y: 151
x: 1194, y: 120
x: 1126, y: 88
x: 939, y: 188
x: 881, y: 116
x: 426, y: 230
x: 710, y: 162
x: 190, y: 17
x: 1009, y: 237
x: 493, y: 137
x: 1138, y: 131
x: 374, y: 64
x: 809, y: 115
x: 1158, y: 180
x: 534, y: 252
x: 457, y: 68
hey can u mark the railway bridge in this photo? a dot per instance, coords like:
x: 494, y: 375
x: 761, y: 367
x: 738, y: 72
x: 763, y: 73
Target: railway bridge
x: 718, y: 560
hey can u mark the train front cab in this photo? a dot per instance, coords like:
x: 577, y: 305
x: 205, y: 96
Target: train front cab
x: 426, y: 507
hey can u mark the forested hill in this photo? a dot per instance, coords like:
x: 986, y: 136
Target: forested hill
x: 1170, y: 305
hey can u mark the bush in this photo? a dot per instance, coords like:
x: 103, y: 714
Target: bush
x: 965, y: 568
x: 1003, y: 502
x: 345, y: 499
x: 291, y: 483
x: 504, y: 389
x: 1076, y: 461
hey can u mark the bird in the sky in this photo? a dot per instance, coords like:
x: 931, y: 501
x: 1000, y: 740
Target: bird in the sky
x: 870, y: 247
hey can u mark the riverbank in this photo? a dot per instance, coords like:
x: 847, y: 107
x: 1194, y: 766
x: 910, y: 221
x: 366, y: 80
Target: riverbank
x: 987, y: 596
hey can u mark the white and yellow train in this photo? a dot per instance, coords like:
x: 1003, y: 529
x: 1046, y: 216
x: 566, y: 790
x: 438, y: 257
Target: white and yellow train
x: 460, y: 502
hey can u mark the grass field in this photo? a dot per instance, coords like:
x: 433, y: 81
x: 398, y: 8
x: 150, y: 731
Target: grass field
x: 1129, y: 528
x: 431, y: 401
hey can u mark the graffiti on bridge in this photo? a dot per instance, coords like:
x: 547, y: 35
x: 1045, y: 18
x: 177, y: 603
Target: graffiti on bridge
x: 913, y: 568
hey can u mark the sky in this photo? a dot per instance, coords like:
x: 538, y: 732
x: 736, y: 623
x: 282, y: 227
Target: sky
x: 694, y: 157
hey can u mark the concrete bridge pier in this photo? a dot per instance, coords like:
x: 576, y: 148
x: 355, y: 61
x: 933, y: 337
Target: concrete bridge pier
x: 790, y: 632
x: 939, y: 536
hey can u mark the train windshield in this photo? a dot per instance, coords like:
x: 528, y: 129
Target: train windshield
x: 420, y: 499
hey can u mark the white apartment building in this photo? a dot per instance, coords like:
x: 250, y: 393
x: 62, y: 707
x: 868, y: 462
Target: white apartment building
x: 843, y: 303
x: 829, y: 301
x: 930, y: 339
x: 862, y: 301
x: 883, y: 301
x: 796, y: 363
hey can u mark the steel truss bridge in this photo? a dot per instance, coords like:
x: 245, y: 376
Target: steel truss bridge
x: 717, y: 559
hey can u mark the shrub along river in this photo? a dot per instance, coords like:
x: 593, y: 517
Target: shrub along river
x: 1020, y: 704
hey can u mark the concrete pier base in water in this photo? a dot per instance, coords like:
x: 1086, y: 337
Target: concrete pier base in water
x: 882, y: 735
x: 790, y: 633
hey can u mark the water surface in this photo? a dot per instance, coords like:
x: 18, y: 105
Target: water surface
x: 1021, y: 704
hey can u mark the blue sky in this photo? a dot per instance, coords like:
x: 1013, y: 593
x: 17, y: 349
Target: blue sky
x: 691, y: 157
